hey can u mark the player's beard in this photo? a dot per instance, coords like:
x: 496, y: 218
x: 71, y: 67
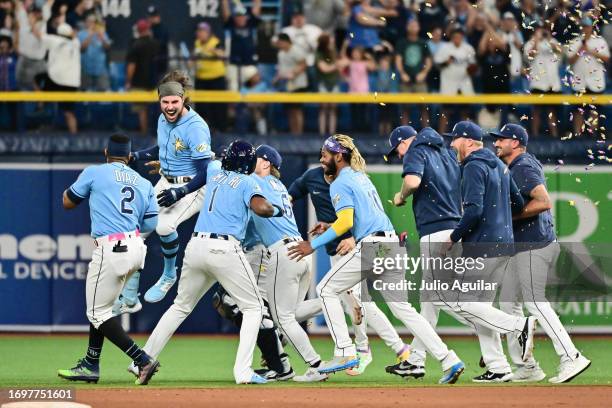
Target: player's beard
x: 176, y: 118
x: 330, y: 168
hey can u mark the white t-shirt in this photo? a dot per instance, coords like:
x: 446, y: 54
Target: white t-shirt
x: 544, y: 66
x: 306, y: 38
x: 589, y: 72
x: 454, y: 77
x: 287, y: 62
x: 64, y: 64
x: 31, y: 46
x: 516, y: 58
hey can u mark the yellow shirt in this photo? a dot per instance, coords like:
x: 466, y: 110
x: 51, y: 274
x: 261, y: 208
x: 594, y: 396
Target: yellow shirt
x: 208, y: 68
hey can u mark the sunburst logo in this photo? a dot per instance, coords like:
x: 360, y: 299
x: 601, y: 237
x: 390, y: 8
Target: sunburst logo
x: 178, y: 145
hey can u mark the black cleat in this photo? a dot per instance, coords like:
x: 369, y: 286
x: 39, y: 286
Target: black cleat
x: 405, y: 369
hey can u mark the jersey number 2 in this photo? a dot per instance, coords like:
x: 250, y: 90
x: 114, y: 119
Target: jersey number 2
x: 128, y: 197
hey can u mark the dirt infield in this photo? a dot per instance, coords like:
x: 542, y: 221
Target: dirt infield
x: 265, y: 396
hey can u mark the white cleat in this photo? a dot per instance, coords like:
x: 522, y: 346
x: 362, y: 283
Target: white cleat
x: 133, y: 369
x: 571, y: 369
x: 121, y: 306
x: 528, y: 374
x: 311, y: 375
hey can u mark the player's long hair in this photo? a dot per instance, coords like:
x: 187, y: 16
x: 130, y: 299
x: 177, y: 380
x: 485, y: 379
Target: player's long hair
x: 182, y: 78
x: 275, y: 172
x: 353, y: 157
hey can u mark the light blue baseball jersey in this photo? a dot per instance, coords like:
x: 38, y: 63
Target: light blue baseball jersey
x: 274, y: 229
x: 251, y: 237
x: 226, y: 202
x: 353, y: 189
x: 119, y: 198
x: 181, y: 143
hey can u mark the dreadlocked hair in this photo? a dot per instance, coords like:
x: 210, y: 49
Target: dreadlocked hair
x: 182, y: 78
x: 353, y: 157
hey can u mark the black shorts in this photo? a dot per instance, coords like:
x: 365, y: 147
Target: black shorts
x: 54, y: 87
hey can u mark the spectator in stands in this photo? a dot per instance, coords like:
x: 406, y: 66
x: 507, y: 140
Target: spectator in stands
x: 64, y: 68
x: 508, y: 6
x: 253, y: 83
x: 160, y: 33
x: 397, y: 21
x: 325, y: 14
x: 514, y: 38
x: 31, y: 50
x: 358, y: 64
x: 434, y: 44
x: 494, y: 61
x: 304, y: 36
x: 413, y: 62
x: 141, y: 73
x: 210, y: 73
x: 461, y: 14
x: 328, y: 79
x: 431, y: 17
x: 530, y: 18
x: 94, y: 45
x: 242, y: 26
x: 386, y: 83
x: 543, y: 55
x: 7, y: 14
x: 76, y: 16
x: 292, y: 77
x: 479, y: 27
x: 564, y: 22
x: 364, y: 24
x: 8, y: 81
x: 588, y: 55
x: 457, y: 63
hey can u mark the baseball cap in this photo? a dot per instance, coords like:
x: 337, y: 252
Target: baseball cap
x: 399, y: 134
x: 204, y: 26
x: 586, y: 21
x: 467, y: 129
x: 508, y: 15
x: 142, y: 25
x: 240, y: 10
x: 65, y: 30
x: 512, y: 131
x: 270, y: 154
x: 152, y: 10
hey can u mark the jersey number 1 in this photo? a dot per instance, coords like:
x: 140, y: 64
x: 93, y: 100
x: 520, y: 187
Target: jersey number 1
x: 128, y: 197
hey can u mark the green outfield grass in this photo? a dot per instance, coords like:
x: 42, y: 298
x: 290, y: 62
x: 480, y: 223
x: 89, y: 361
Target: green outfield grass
x: 194, y: 361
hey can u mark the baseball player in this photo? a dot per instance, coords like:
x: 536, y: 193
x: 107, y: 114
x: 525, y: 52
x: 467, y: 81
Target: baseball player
x: 536, y: 253
x: 489, y: 198
x: 214, y: 255
x: 316, y: 183
x: 359, y: 209
x: 287, y: 281
x: 431, y: 175
x: 268, y: 338
x: 183, y: 150
x: 121, y: 204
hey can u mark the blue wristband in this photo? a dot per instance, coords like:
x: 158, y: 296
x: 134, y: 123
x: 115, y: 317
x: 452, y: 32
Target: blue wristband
x: 325, y: 238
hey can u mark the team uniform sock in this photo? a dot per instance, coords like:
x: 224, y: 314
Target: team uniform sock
x: 267, y: 341
x: 130, y: 290
x: 170, y: 248
x: 315, y: 364
x: 113, y: 331
x: 94, y: 349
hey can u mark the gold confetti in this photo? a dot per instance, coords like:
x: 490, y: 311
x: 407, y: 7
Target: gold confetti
x: 578, y: 180
x: 429, y: 35
x: 382, y: 104
x: 572, y: 203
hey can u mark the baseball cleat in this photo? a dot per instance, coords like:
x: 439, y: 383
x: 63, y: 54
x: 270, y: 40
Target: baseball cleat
x: 365, y: 358
x: 489, y: 377
x: 133, y: 369
x: 528, y: 374
x: 122, y: 305
x: 525, y: 338
x: 338, y: 364
x: 356, y: 307
x: 405, y: 369
x: 158, y: 291
x: 147, y: 371
x: 311, y: 375
x: 452, y: 374
x: 571, y: 369
x: 80, y: 372
x: 271, y: 375
x: 255, y: 379
x: 404, y: 354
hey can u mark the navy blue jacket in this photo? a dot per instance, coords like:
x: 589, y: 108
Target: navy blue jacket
x: 537, y: 231
x: 313, y: 182
x: 436, y: 204
x: 490, y: 197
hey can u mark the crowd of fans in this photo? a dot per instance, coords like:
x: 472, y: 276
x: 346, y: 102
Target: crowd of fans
x: 414, y: 46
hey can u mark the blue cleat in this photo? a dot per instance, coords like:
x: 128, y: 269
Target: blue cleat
x: 256, y: 379
x: 158, y: 291
x: 123, y: 305
x: 452, y: 374
x: 338, y: 364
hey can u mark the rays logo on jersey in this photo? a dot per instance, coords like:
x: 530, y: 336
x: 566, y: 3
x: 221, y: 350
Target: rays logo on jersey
x: 336, y: 199
x: 202, y: 148
x: 178, y: 145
